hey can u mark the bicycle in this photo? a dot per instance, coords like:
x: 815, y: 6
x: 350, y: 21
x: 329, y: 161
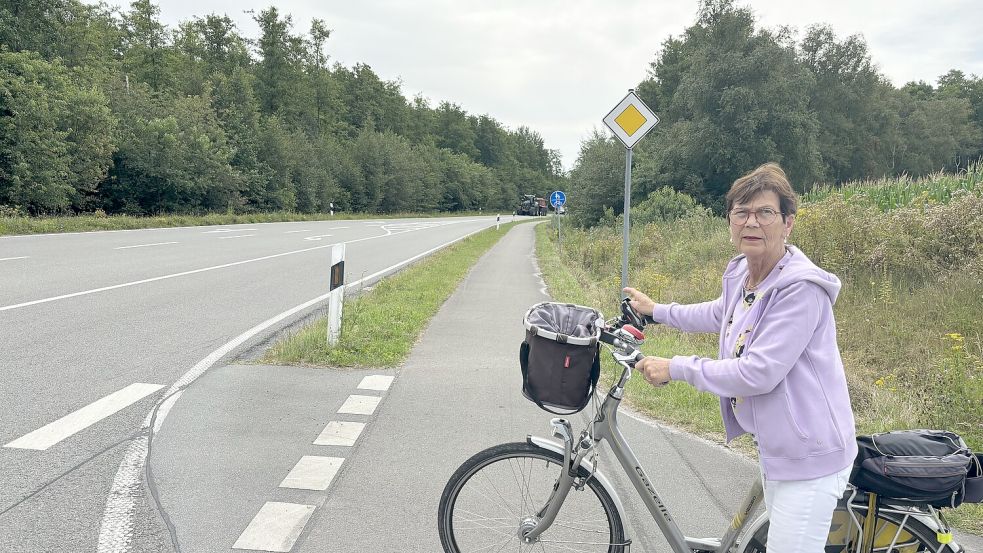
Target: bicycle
x: 509, y: 496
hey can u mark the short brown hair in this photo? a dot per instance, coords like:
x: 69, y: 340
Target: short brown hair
x: 769, y: 176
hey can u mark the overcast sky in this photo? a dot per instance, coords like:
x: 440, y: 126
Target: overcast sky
x: 559, y: 66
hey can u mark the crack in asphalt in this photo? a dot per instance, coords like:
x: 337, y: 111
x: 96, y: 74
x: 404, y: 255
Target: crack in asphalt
x: 152, y: 483
x: 81, y: 464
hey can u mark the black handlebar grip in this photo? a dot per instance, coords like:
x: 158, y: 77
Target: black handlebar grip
x: 633, y: 317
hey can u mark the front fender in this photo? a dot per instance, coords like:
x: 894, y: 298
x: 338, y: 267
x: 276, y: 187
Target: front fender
x: 556, y: 447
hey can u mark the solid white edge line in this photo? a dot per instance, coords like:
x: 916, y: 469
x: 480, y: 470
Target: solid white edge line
x: 80, y: 419
x: 154, y: 279
x: 165, y: 409
x: 223, y: 266
x: 116, y: 528
x: 144, y: 245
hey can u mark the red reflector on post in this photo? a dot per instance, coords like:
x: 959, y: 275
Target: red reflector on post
x: 566, y: 363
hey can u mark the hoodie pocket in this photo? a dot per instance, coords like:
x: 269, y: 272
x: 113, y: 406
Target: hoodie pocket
x: 773, y: 415
x: 791, y: 419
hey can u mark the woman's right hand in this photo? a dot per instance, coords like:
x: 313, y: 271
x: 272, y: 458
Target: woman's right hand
x: 640, y: 302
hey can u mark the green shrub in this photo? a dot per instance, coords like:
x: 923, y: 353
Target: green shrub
x: 665, y: 204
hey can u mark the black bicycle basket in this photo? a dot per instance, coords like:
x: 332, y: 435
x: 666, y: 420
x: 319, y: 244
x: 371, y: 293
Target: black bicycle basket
x: 560, y: 356
x: 929, y: 466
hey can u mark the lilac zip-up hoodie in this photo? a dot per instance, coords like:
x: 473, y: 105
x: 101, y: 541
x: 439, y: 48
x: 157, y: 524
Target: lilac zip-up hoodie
x: 790, y: 373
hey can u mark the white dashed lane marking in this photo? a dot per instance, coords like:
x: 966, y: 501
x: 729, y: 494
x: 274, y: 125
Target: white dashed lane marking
x: 312, y: 473
x: 221, y: 230
x: 376, y: 382
x: 13, y: 258
x: 70, y: 424
x: 360, y: 405
x: 144, y: 245
x: 340, y: 433
x: 275, y: 527
x: 236, y: 236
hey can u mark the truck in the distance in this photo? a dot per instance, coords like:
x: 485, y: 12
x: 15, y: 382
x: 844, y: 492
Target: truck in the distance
x: 531, y: 205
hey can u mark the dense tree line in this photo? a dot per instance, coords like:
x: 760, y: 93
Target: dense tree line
x: 731, y: 96
x: 112, y: 110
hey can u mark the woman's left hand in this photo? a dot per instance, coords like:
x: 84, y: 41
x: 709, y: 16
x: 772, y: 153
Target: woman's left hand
x: 655, y: 370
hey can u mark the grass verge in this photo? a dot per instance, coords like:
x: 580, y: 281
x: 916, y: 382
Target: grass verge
x: 84, y: 223
x: 677, y: 405
x: 380, y: 326
x: 684, y: 407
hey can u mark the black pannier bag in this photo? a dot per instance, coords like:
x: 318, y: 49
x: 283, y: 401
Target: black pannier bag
x: 926, y: 466
x: 974, y: 482
x: 560, y: 356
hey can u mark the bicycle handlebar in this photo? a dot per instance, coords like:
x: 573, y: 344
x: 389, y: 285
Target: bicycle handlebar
x: 633, y: 317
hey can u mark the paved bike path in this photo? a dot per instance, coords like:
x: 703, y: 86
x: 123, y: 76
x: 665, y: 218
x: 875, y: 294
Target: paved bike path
x: 239, y: 431
x: 458, y: 393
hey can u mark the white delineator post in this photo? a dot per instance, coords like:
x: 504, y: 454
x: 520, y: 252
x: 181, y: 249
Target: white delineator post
x: 337, y: 290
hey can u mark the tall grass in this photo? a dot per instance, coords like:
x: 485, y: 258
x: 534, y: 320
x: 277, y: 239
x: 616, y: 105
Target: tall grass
x: 909, y: 316
x: 887, y: 194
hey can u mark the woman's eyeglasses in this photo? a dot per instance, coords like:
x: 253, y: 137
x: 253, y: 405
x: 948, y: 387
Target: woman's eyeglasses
x: 764, y: 216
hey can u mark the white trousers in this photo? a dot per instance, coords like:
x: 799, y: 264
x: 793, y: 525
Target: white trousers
x: 800, y: 511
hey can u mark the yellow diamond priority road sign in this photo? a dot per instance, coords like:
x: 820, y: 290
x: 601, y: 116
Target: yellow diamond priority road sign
x: 631, y: 120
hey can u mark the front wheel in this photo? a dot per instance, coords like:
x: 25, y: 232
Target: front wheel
x: 496, y: 495
x: 894, y: 533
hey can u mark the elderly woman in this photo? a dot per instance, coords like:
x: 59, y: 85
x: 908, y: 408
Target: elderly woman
x: 779, y: 375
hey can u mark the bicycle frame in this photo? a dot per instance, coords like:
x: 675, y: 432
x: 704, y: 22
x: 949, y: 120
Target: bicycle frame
x: 605, y: 427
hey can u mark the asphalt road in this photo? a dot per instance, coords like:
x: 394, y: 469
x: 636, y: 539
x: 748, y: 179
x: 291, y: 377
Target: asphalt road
x: 226, y: 448
x: 88, y: 318
x: 246, y: 455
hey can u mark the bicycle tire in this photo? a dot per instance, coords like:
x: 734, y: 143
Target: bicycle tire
x: 591, y: 519
x: 917, y: 537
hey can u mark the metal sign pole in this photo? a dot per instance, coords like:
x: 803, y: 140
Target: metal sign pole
x: 559, y: 235
x: 630, y: 121
x: 624, y: 249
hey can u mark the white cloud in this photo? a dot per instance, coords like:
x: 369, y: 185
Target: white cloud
x: 560, y: 66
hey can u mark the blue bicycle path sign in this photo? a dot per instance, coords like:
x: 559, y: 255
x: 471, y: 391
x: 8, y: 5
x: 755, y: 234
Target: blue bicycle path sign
x: 558, y: 198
